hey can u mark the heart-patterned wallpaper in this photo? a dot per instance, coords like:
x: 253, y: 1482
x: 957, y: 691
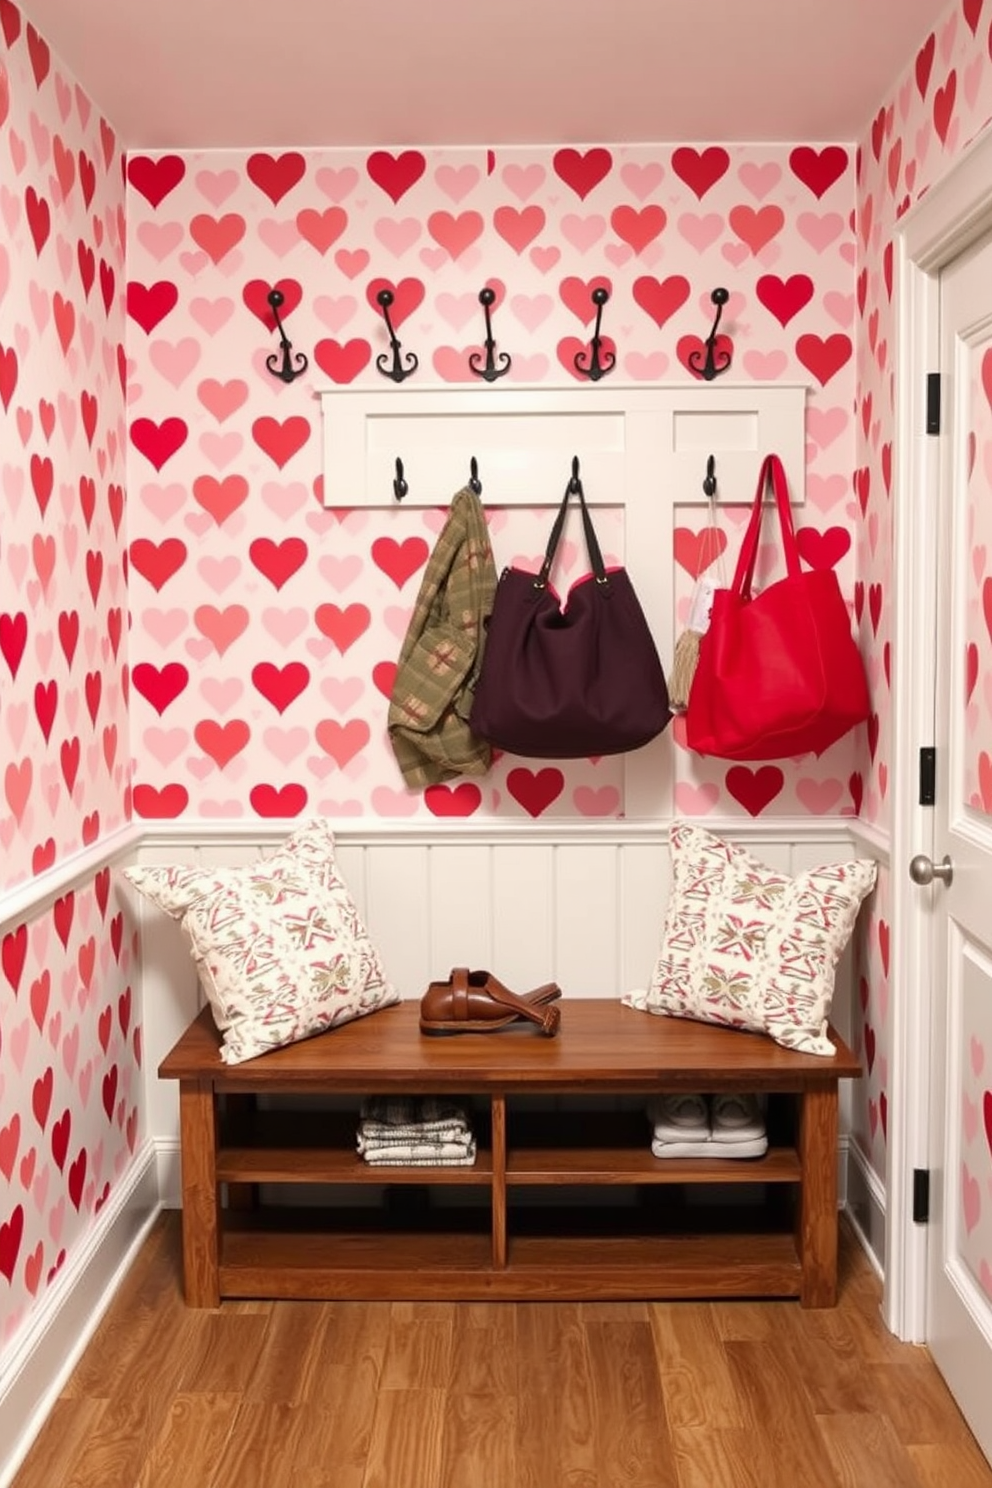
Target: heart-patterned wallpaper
x: 233, y: 558
x: 64, y: 754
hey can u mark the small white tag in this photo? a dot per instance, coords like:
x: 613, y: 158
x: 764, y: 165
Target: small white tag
x: 702, y: 604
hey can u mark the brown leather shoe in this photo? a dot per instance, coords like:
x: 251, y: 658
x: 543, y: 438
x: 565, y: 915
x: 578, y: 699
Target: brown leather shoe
x: 475, y: 1002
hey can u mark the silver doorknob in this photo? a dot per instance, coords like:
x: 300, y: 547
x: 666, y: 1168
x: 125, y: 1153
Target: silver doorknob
x: 923, y: 870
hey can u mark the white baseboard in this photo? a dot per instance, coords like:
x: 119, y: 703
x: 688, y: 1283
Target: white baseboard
x: 864, y: 1205
x: 42, y: 1357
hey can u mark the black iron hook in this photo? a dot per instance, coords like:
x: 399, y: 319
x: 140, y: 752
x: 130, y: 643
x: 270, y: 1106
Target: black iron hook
x: 474, y: 482
x: 400, y: 487
x: 280, y: 363
x: 490, y: 371
x: 575, y: 484
x: 596, y: 368
x: 709, y: 484
x: 711, y: 367
x: 396, y: 371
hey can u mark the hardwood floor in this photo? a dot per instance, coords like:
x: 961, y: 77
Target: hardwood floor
x: 498, y: 1395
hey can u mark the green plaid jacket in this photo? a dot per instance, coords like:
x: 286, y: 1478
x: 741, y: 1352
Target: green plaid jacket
x: 442, y: 654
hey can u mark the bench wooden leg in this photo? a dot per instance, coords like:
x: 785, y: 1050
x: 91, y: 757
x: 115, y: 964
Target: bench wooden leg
x: 817, y: 1220
x: 201, y: 1217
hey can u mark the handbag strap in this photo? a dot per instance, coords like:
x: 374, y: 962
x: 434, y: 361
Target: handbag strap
x: 574, y: 488
x: 771, y: 469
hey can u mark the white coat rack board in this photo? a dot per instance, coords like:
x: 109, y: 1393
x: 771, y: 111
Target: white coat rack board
x: 644, y: 449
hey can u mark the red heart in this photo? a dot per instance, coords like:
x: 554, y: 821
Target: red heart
x: 156, y: 562
x: 217, y: 235
x: 11, y: 1232
x: 43, y: 856
x: 60, y: 1138
x: 41, y: 59
x: 101, y: 888
x: 862, y: 487
x: 700, y: 169
x: 819, y: 169
x: 987, y: 376
x: 46, y: 698
x: 160, y: 686
x: 638, y: 226
x: 255, y: 295
x: 399, y: 561
x: 13, y: 955
x: 109, y: 1091
x: 784, y: 298
x: 343, y: 627
x: 68, y: 633
x: 396, y: 173
x: 873, y: 727
x: 124, y: 1010
x: 149, y: 304
x: 856, y: 786
x: 582, y: 172
x: 756, y: 228
x: 41, y: 1096
x: 42, y: 479
x: 875, y: 605
x: 8, y: 375
x: 407, y: 295
x: 275, y: 175
x: 987, y: 1116
x: 824, y: 356
x: 883, y: 944
x: 165, y: 804
x: 89, y: 411
x: 342, y: 741
x: 695, y: 551
x: 87, y: 177
x: 220, y: 498
x: 13, y: 639
x: 519, y: 227
x: 754, y: 789
x: 455, y: 234
x: 10, y: 20
x: 94, y: 572
x: 87, y: 498
x: 321, y: 229
x: 280, y: 686
x: 453, y: 800
x: 924, y: 62
x: 87, y: 266
x: 570, y: 347
x: 943, y: 106
x: 577, y: 295
x: 281, y: 441
x: 823, y: 549
x: 384, y: 677
x: 107, y: 283
x: 91, y: 826
x: 661, y: 298
x: 77, y: 1178
x: 158, y: 442
x: 691, y: 352
x: 278, y: 561
x: 870, y: 1047
x: 62, y: 913
x: 973, y: 14
x: 535, y: 790
x: 39, y: 218
x: 971, y: 669
x: 342, y: 362
x: 155, y: 178
x: 93, y: 688
x: 222, y: 741
x: 290, y: 800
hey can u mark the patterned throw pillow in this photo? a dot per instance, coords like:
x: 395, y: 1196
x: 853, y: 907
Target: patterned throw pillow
x: 279, y: 946
x: 750, y: 948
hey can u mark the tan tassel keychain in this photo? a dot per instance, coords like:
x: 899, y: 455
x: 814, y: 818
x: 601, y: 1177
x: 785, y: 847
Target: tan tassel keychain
x: 686, y: 655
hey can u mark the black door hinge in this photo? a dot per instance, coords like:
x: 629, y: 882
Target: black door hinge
x: 933, y: 402
x: 928, y: 777
x: 921, y: 1195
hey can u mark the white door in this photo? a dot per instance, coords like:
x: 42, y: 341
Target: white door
x: 959, y: 1311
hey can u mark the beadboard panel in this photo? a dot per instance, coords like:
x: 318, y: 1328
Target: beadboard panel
x: 584, y: 908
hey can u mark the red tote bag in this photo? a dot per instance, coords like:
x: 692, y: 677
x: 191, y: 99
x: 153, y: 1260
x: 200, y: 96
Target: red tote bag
x: 779, y: 673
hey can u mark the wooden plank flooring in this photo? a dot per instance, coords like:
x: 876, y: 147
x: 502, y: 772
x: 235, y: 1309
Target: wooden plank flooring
x: 498, y: 1395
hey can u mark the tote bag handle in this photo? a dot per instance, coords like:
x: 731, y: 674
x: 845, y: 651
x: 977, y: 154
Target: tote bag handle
x: 574, y: 488
x: 771, y: 469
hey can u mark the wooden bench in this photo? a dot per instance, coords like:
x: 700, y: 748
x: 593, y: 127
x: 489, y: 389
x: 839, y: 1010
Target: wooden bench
x: 565, y: 1199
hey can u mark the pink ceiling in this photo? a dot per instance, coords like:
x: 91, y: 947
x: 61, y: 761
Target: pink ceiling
x: 214, y: 73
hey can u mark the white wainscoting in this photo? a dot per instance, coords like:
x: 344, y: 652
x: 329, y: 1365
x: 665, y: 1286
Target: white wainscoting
x: 580, y: 904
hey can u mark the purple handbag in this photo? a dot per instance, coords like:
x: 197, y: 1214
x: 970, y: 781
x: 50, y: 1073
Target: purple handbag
x: 565, y: 681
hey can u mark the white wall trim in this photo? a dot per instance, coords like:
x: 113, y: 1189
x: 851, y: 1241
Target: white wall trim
x: 864, y: 1204
x: 28, y: 900
x: 867, y: 835
x: 945, y: 222
x: 41, y: 1358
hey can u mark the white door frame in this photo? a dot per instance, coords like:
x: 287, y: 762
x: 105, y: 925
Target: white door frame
x: 948, y: 219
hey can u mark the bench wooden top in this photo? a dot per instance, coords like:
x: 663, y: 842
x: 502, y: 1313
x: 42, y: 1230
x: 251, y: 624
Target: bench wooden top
x: 601, y: 1046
